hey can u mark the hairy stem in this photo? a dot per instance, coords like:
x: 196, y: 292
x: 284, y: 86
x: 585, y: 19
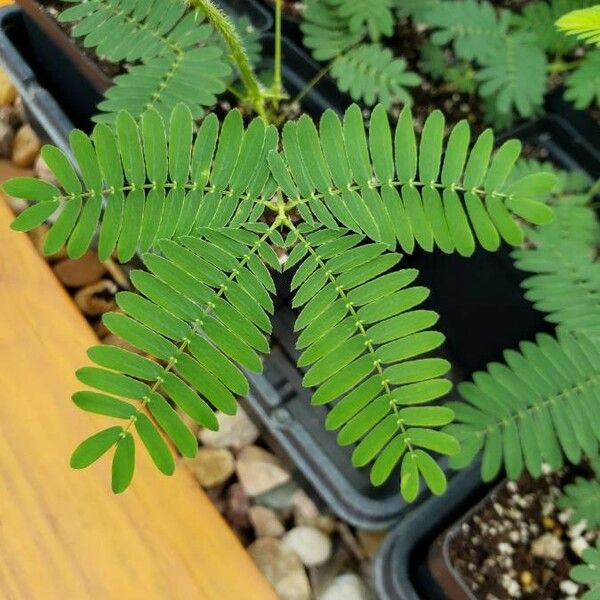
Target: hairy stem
x: 238, y: 53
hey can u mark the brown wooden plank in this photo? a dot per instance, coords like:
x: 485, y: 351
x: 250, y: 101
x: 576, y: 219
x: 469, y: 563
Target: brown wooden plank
x: 63, y: 534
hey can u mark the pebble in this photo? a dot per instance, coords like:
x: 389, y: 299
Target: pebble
x: 237, y: 506
x: 26, y: 147
x: 235, y: 431
x: 306, y: 512
x: 282, y: 568
x: 576, y: 530
x: 548, y: 546
x: 17, y: 205
x: 212, y: 466
x: 578, y: 545
x: 7, y: 136
x: 11, y: 116
x: 19, y: 108
x: 348, y: 586
x: 8, y: 92
x: 259, y: 471
x: 42, y: 170
x: 309, y: 543
x: 98, y: 298
x: 370, y: 541
x: 570, y: 588
x: 77, y: 272
x: 266, y: 522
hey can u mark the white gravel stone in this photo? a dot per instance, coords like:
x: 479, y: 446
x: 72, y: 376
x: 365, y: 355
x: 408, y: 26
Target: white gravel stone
x: 345, y: 587
x: 309, y: 543
x: 569, y: 587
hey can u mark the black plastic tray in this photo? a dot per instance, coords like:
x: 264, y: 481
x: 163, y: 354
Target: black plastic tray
x: 401, y: 571
x: 44, y: 112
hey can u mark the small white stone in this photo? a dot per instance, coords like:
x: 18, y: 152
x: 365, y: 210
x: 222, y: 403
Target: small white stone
x: 576, y: 530
x: 259, y: 471
x: 569, y: 587
x: 309, y: 543
x: 345, y: 587
x: 578, y: 545
x: 514, y: 537
x: 548, y: 546
x: 235, y: 431
x: 565, y: 515
x: 505, y: 548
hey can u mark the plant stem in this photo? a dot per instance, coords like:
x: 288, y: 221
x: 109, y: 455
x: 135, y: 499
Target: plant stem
x: 594, y: 189
x: 561, y: 66
x: 223, y: 25
x: 309, y: 86
x: 277, y: 85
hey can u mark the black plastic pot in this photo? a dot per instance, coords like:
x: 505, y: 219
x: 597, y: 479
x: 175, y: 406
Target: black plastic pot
x: 580, y: 120
x: 406, y: 561
x: 260, y: 17
x: 290, y: 23
x: 44, y: 112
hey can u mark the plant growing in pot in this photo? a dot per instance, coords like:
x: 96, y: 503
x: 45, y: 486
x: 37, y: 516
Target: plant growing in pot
x: 205, y: 203
x: 491, y: 57
x: 530, y: 416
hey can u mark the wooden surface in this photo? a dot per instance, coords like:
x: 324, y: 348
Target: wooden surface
x: 62, y: 533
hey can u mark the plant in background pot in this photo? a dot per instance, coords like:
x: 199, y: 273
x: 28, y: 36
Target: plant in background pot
x: 507, y: 57
x: 206, y: 202
x: 532, y: 415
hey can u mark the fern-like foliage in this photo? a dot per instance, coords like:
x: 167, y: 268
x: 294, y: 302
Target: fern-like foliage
x: 371, y: 73
x: 583, y: 498
x: 538, y: 18
x: 325, y: 33
x: 174, y: 59
x: 339, y: 31
x: 374, y: 16
x: 204, y: 302
x: 512, y: 67
x: 515, y: 75
x: 541, y: 404
x: 193, y: 208
x: 415, y: 9
x: 566, y: 280
x: 360, y: 336
x: 589, y: 573
x: 583, y: 85
x: 473, y: 28
x: 149, y: 182
x: 583, y: 23
x: 393, y: 190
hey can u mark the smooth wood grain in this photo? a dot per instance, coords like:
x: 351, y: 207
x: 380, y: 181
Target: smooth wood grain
x: 63, y: 534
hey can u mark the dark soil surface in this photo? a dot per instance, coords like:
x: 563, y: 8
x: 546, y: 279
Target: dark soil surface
x: 54, y: 8
x: 498, y: 550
